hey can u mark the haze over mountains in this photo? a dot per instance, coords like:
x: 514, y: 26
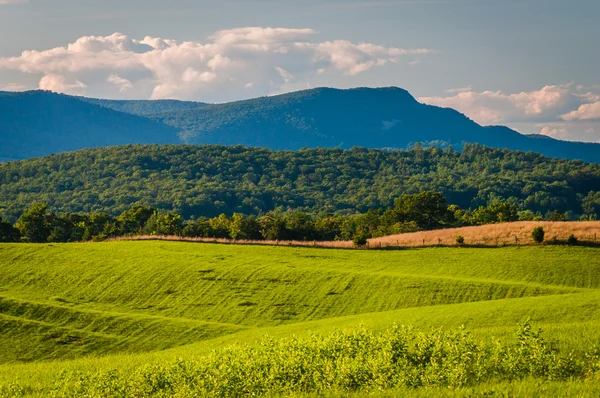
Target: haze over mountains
x: 39, y: 123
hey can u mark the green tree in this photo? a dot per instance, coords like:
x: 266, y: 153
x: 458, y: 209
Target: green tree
x: 35, y: 223
x: 220, y: 226
x: 272, y: 225
x: 132, y: 221
x: 427, y: 209
x: 8, y: 233
x: 591, y: 203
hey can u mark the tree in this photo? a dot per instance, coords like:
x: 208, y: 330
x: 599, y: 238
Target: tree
x: 8, y: 233
x: 496, y: 211
x: 199, y: 228
x: 555, y: 216
x: 272, y: 226
x: 132, y: 221
x: 164, y: 224
x: 591, y: 203
x: 427, y: 209
x: 220, y: 226
x: 35, y: 224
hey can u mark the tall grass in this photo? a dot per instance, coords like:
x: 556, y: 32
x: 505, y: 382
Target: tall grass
x: 504, y: 234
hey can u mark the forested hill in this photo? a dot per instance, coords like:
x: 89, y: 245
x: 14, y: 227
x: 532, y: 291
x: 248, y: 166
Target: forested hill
x: 145, y: 107
x: 38, y: 123
x: 368, y: 117
x: 211, y: 179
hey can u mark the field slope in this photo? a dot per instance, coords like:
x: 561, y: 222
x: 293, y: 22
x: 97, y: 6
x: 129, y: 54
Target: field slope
x: 100, y: 305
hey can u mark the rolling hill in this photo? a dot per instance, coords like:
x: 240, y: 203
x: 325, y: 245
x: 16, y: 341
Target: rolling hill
x: 39, y: 123
x: 208, y: 180
x: 100, y: 315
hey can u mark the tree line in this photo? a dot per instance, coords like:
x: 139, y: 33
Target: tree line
x: 410, y: 213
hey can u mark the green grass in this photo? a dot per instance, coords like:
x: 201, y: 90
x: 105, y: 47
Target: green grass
x: 96, y: 306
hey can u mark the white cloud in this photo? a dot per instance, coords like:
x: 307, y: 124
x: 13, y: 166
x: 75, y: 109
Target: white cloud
x: 13, y: 1
x: 584, y: 112
x: 122, y: 84
x: 459, y: 90
x: 492, y: 107
x: 270, y: 58
x: 59, y: 83
x: 558, y: 132
x: 13, y: 87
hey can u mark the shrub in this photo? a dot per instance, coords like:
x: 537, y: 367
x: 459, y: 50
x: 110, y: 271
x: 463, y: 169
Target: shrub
x: 572, y: 240
x: 360, y: 239
x: 538, y: 234
x: 346, y: 361
x: 460, y: 240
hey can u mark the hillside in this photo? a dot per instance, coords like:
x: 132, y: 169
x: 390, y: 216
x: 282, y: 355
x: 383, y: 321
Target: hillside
x: 210, y: 180
x: 166, y: 302
x: 39, y: 123
x: 144, y: 107
x: 372, y: 118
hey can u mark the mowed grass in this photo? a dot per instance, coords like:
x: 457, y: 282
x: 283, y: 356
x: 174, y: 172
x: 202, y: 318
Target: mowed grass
x: 124, y: 304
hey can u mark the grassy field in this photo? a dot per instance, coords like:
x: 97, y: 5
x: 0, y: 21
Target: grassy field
x: 95, y: 307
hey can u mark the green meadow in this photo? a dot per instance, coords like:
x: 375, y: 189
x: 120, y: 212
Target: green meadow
x: 144, y: 318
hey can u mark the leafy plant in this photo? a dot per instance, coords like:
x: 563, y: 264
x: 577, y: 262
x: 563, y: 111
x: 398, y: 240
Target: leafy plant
x: 538, y: 234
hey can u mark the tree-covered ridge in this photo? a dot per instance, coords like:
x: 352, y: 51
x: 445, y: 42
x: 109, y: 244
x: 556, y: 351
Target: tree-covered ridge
x: 196, y: 181
x: 144, y: 107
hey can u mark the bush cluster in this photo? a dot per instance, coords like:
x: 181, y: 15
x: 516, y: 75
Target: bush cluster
x: 351, y: 361
x: 410, y: 213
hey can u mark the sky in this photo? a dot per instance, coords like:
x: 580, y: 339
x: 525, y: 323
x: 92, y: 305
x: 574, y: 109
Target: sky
x: 530, y: 64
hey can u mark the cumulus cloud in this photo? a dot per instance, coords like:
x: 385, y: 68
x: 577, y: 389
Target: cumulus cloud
x: 122, y: 84
x: 492, y: 107
x: 584, y: 112
x: 60, y: 83
x: 269, y: 58
x: 555, y: 132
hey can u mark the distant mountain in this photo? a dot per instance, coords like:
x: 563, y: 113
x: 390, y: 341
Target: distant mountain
x: 145, y: 107
x: 373, y: 118
x: 38, y: 123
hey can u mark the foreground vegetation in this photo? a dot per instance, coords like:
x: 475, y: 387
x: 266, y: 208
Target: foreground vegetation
x: 142, y: 318
x: 349, y: 361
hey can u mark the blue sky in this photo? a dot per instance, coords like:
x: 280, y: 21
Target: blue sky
x: 529, y: 64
